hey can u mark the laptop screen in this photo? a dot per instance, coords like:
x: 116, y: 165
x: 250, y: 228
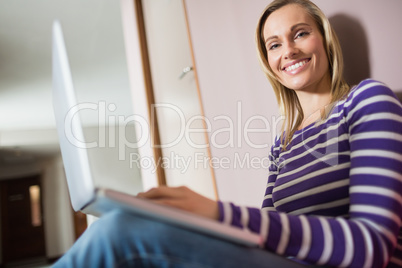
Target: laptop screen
x: 96, y: 156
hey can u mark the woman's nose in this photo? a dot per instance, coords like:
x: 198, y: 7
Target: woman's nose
x: 290, y: 50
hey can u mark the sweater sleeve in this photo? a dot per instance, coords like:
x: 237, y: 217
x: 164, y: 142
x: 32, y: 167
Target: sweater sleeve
x: 368, y: 236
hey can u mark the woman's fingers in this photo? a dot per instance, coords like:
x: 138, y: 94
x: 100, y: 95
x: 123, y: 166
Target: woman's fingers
x: 162, y: 192
x: 183, y: 198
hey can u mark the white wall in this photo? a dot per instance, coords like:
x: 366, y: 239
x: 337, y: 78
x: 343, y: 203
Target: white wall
x: 229, y: 74
x: 59, y: 228
x: 94, y: 41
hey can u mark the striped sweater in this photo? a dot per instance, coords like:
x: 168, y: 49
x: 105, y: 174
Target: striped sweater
x: 334, y: 197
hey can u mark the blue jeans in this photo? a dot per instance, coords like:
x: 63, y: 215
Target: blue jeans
x: 121, y: 239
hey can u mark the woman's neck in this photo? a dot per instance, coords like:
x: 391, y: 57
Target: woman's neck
x: 314, y: 103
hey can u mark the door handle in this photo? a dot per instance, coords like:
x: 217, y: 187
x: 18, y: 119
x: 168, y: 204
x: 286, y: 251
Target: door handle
x: 185, y: 71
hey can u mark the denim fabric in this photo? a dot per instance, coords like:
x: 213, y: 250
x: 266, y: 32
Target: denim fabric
x: 121, y: 239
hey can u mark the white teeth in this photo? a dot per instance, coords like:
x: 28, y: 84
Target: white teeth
x: 295, y: 66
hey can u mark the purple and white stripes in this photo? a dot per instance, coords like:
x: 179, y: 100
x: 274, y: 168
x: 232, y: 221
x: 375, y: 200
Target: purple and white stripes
x: 334, y: 196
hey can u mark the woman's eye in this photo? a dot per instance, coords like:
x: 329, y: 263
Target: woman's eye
x: 301, y: 34
x: 273, y: 46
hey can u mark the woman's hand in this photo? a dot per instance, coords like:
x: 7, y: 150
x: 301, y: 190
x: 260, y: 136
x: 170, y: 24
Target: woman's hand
x: 183, y: 198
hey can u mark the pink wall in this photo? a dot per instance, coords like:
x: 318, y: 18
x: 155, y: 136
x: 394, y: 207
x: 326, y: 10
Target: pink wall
x: 223, y: 42
x: 370, y: 33
x: 229, y: 75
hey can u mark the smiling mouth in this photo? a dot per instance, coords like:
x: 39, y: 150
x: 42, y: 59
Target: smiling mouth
x: 296, y: 65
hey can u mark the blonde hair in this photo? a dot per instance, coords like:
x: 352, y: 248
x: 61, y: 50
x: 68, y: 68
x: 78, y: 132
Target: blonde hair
x: 287, y: 99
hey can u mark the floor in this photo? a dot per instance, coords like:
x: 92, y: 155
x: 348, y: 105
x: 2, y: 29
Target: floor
x: 34, y: 263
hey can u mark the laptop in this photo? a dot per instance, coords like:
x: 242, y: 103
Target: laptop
x: 94, y: 199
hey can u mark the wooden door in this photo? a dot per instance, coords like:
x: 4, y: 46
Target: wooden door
x: 182, y: 129
x: 80, y: 223
x: 21, y: 219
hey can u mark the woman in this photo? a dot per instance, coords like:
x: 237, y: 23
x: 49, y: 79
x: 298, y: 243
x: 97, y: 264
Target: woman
x: 334, y: 189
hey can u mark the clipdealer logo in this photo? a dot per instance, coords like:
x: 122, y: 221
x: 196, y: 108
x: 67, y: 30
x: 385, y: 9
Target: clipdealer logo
x: 199, y: 161
x: 251, y: 132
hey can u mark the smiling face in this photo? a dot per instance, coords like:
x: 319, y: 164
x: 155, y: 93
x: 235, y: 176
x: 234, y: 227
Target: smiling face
x: 295, y: 50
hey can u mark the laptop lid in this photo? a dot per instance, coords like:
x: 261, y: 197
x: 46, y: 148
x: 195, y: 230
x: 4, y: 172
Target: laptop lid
x: 69, y: 127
